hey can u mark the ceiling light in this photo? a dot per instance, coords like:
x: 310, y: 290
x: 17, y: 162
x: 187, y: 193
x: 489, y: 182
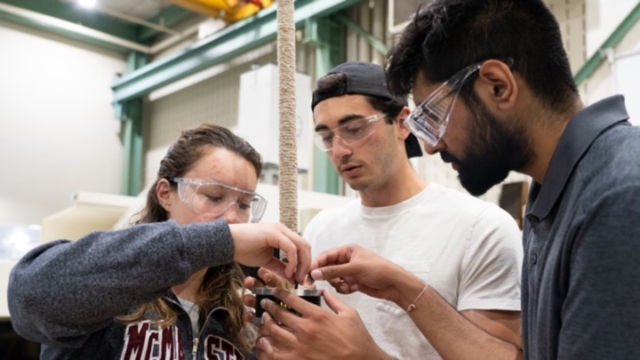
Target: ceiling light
x: 88, y: 3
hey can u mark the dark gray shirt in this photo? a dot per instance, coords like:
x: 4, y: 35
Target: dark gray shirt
x: 581, y: 275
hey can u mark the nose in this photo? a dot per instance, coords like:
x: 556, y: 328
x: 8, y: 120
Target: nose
x: 340, y: 149
x: 232, y: 214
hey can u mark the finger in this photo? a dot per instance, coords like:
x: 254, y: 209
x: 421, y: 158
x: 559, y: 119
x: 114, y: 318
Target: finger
x: 334, y: 302
x: 249, y: 300
x: 337, y: 256
x: 291, y: 249
x: 279, y: 337
x: 336, y: 272
x: 304, y: 261
x: 271, y: 279
x: 303, y: 254
x: 285, y: 244
x: 251, y: 282
x: 247, y: 316
x: 309, y: 280
x: 266, y: 350
x: 263, y: 330
x: 277, y: 267
x: 302, y: 306
x: 341, y: 286
x: 265, y: 275
x: 279, y: 314
x: 308, y: 283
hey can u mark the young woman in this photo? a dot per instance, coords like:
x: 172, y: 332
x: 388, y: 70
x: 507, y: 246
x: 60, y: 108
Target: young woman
x: 168, y: 287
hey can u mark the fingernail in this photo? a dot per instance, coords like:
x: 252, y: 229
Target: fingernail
x: 264, y: 344
x: 263, y: 303
x: 344, y: 288
x: 354, y: 287
x: 316, y: 274
x: 266, y: 316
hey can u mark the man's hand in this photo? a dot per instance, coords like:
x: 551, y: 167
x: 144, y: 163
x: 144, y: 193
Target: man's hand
x: 316, y: 333
x: 271, y: 280
x: 352, y: 268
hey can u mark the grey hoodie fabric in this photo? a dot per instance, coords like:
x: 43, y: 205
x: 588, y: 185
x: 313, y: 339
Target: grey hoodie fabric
x: 66, y: 295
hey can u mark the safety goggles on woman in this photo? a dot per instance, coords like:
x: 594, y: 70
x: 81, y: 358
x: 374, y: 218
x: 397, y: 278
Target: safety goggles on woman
x: 215, y: 198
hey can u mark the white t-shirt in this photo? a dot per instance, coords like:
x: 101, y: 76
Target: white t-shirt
x: 468, y: 250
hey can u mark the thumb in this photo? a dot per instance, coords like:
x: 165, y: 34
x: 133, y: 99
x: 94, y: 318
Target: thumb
x: 334, y: 302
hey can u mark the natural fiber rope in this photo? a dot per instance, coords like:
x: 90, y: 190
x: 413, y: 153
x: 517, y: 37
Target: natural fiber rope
x: 288, y: 176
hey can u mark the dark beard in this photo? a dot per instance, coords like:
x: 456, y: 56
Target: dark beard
x: 494, y: 148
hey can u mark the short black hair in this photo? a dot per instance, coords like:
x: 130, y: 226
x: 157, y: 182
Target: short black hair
x: 447, y: 35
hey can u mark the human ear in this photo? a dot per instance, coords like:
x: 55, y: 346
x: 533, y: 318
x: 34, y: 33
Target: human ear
x: 497, y: 85
x: 163, y: 193
x: 403, y: 130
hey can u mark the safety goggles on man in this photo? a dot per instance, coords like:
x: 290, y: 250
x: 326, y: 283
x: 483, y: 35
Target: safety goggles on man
x: 429, y: 120
x: 350, y: 133
x: 215, y: 198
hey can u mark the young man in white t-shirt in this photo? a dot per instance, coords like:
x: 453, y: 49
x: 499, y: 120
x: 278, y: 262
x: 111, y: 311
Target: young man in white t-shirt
x: 467, y: 250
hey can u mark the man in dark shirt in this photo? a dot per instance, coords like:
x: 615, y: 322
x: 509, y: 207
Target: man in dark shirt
x: 495, y: 76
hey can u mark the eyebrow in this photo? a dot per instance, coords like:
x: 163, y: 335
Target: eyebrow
x: 343, y: 120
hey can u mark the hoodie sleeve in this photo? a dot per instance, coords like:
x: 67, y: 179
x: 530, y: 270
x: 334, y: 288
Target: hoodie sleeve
x: 62, y: 292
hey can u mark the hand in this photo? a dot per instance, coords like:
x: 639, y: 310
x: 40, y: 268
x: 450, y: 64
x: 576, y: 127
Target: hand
x: 317, y: 333
x: 254, y: 244
x: 352, y: 268
x: 271, y: 279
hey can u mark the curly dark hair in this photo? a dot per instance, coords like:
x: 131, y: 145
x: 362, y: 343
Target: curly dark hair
x: 445, y: 36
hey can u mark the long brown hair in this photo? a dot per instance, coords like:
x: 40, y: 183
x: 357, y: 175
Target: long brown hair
x: 222, y: 285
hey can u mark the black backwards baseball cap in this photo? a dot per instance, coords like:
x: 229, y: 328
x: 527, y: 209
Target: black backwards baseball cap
x: 364, y: 78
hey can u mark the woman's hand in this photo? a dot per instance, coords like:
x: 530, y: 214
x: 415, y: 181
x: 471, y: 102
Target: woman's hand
x: 254, y: 244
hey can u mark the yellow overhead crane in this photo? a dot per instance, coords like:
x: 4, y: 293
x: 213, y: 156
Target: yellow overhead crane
x: 228, y: 10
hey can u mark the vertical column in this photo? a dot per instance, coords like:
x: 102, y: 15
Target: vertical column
x: 131, y: 114
x: 328, y: 38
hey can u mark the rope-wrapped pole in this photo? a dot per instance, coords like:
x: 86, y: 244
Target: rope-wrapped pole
x: 287, y: 103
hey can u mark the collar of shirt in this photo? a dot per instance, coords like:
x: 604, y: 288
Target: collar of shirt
x: 580, y: 133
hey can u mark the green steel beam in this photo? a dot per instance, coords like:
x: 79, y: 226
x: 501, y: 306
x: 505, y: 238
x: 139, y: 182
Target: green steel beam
x: 372, y: 40
x: 614, y: 39
x: 74, y: 14
x: 328, y: 39
x: 132, y: 116
x: 167, y: 17
x: 234, y: 40
x: 67, y: 29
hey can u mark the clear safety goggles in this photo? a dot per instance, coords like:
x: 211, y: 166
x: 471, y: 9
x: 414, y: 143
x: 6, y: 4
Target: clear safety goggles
x: 215, y: 198
x: 429, y: 120
x: 351, y: 132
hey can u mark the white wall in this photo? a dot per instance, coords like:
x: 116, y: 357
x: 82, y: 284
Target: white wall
x: 209, y: 96
x: 602, y: 17
x: 58, y: 134
x: 619, y: 74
